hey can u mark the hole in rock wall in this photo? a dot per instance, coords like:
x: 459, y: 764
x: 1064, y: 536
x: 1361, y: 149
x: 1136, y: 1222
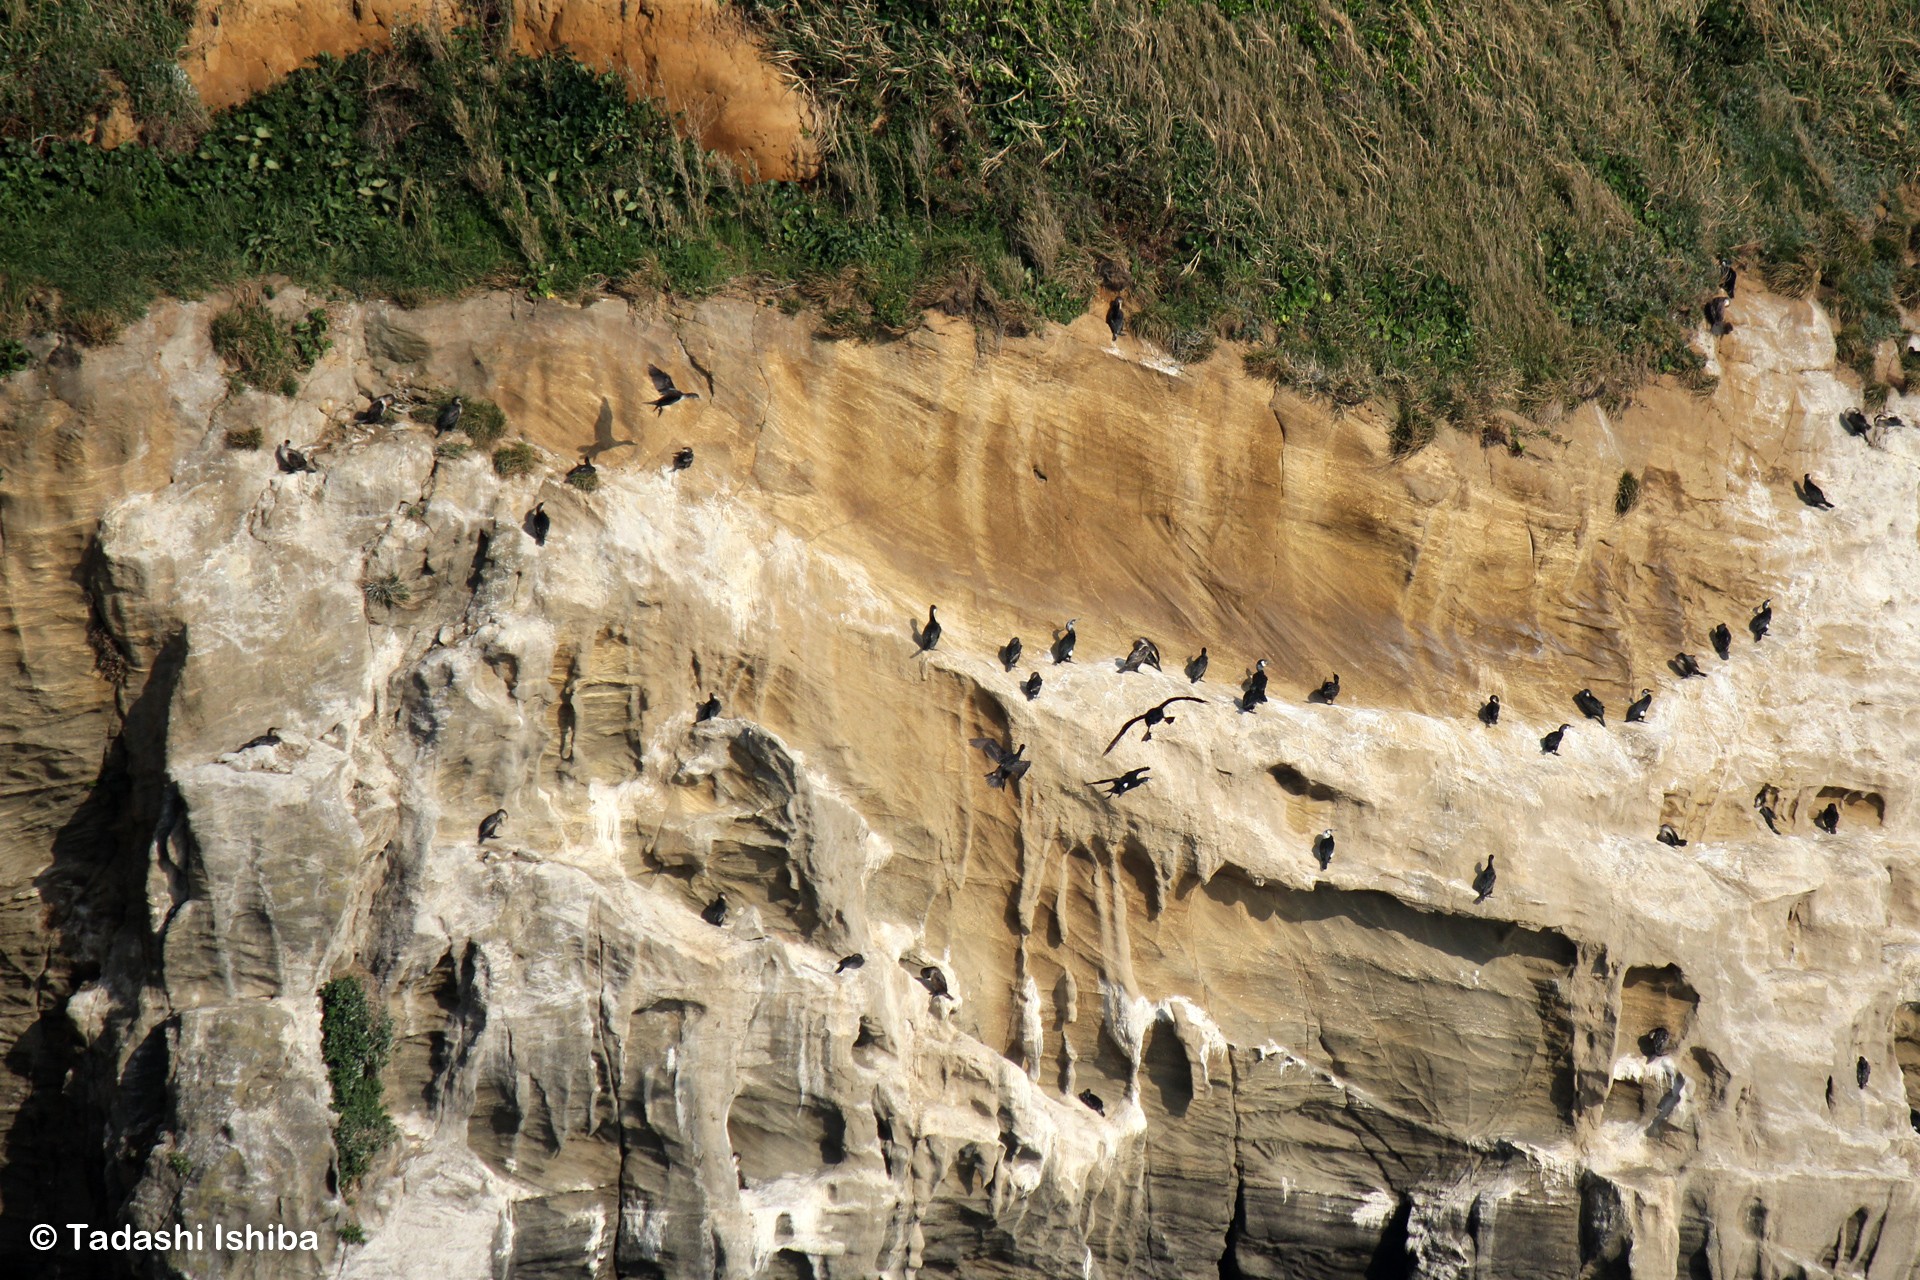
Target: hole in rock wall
x: 1655, y: 997
x: 1857, y: 808
x: 423, y: 1044
x: 773, y: 1136
x: 1906, y: 1051
x: 787, y: 1264
x: 1696, y: 1240
x: 1164, y: 1063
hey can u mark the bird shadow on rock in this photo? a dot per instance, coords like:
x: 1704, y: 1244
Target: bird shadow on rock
x: 603, y: 440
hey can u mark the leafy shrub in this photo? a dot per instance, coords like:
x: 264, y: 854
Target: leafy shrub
x: 245, y: 438
x: 267, y: 354
x: 179, y: 1163
x: 387, y: 591
x: 516, y: 459
x: 355, y: 1042
x: 1626, y: 493
x: 353, y: 1233
x: 14, y: 357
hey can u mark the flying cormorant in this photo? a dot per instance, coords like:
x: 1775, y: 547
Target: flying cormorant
x: 1145, y: 654
x: 669, y: 394
x: 851, y: 962
x: 1125, y: 782
x: 271, y: 738
x: 1323, y: 847
x: 715, y: 912
x: 1327, y: 692
x: 1254, y: 692
x: 1591, y: 707
x: 1761, y: 620
x: 1637, y: 709
x: 1010, y: 654
x: 1116, y: 319
x: 708, y: 709
x: 1670, y: 837
x: 929, y: 635
x: 1063, y: 644
x: 1007, y: 765
x: 1811, y: 494
x: 1483, y: 881
x: 1031, y: 686
x: 491, y: 824
x: 1490, y: 712
x: 1153, y: 716
x: 449, y: 416
x: 1088, y: 1097
x: 1197, y: 667
x: 1550, y: 745
x: 682, y: 458
x: 1722, y: 640
x: 538, y: 523
x: 1828, y: 819
x: 1687, y: 665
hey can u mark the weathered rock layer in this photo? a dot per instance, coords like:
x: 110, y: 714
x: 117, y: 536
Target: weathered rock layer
x: 1361, y: 1071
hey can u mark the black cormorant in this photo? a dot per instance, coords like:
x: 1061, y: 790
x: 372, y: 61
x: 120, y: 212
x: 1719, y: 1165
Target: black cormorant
x: 1116, y: 319
x: 271, y: 738
x: 1722, y: 640
x: 1855, y: 423
x: 538, y: 523
x: 929, y: 635
x: 1327, y: 692
x: 934, y: 979
x: 1152, y: 716
x: 290, y: 459
x: 1145, y: 654
x: 1811, y: 494
x: 1656, y: 1043
x: 1197, y: 667
x: 586, y: 471
x: 669, y: 394
x: 1007, y: 765
x: 1591, y: 707
x: 1687, y: 665
x: 1088, y: 1097
x: 1716, y: 310
x: 1490, y: 712
x: 1125, y: 782
x: 682, y: 459
x: 1550, y: 745
x: 1862, y: 1072
x: 449, y: 416
x: 847, y: 963
x: 1637, y: 709
x: 1669, y: 836
x: 1323, y: 847
x: 1031, y: 686
x: 708, y: 709
x: 1761, y: 620
x: 715, y: 912
x: 1063, y: 644
x: 1010, y: 654
x: 1828, y: 819
x: 491, y: 824
x: 377, y: 407
x: 1483, y: 881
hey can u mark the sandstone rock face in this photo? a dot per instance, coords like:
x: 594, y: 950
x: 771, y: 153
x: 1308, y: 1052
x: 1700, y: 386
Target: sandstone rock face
x: 1359, y: 1071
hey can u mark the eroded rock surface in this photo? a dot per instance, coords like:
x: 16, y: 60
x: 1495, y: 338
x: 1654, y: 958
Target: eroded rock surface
x: 1628, y: 1060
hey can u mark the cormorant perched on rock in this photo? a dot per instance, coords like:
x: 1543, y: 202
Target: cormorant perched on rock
x: 1767, y: 794
x: 1669, y: 836
x: 715, y: 912
x: 271, y: 738
x: 1327, y: 692
x: 1490, y: 711
x: 1088, y: 1098
x: 538, y: 523
x: 682, y: 459
x: 928, y: 636
x: 1716, y: 310
x: 377, y: 407
x: 934, y: 979
x: 1761, y: 620
x: 1591, y: 707
x: 1862, y: 1072
x: 1637, y: 709
x: 1031, y: 686
x: 1483, y: 881
x: 1855, y: 423
x: 1550, y: 745
x: 669, y: 394
x: 449, y: 416
x: 1657, y: 1043
x: 1323, y: 847
x: 708, y: 709
x: 1063, y: 644
x: 1811, y: 494
x: 1010, y: 654
x: 1828, y: 819
x: 290, y: 459
x: 1722, y: 640
x: 586, y: 471
x: 1728, y: 277
x: 1125, y: 782
x: 1116, y: 319
x: 1771, y: 818
x: 1687, y: 665
x: 1152, y: 716
x: 851, y: 962
x: 491, y: 824
x: 1007, y: 765
x: 1254, y: 691
x: 1197, y: 667
x: 1145, y: 654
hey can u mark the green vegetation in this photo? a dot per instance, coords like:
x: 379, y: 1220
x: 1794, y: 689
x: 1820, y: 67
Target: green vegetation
x: 1626, y: 493
x: 516, y: 459
x: 483, y: 421
x: 245, y: 438
x: 64, y: 64
x: 1455, y: 208
x: 179, y: 1163
x: 353, y: 1233
x: 14, y: 357
x: 452, y: 449
x: 387, y: 591
x: 267, y: 354
x: 355, y: 1042
x: 584, y: 481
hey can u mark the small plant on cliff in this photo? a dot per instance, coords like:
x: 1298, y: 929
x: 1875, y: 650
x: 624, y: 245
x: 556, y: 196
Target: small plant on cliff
x: 480, y: 418
x: 355, y: 1042
x: 584, y: 481
x: 244, y: 438
x: 387, y: 591
x: 353, y: 1233
x: 268, y: 355
x: 516, y: 459
x: 1626, y: 493
x: 14, y: 357
x: 178, y: 1162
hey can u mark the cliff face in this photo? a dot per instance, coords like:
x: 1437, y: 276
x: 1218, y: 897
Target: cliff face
x: 1353, y: 1071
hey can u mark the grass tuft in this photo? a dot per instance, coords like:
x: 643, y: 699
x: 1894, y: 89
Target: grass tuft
x: 387, y: 591
x: 267, y: 354
x: 584, y: 481
x: 353, y: 1233
x: 245, y: 438
x: 1626, y: 493
x: 355, y: 1042
x: 516, y: 459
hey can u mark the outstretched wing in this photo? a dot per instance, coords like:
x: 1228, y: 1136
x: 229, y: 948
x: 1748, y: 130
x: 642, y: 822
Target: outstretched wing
x: 662, y: 381
x: 994, y: 751
x: 1123, y: 733
x: 1182, y: 698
